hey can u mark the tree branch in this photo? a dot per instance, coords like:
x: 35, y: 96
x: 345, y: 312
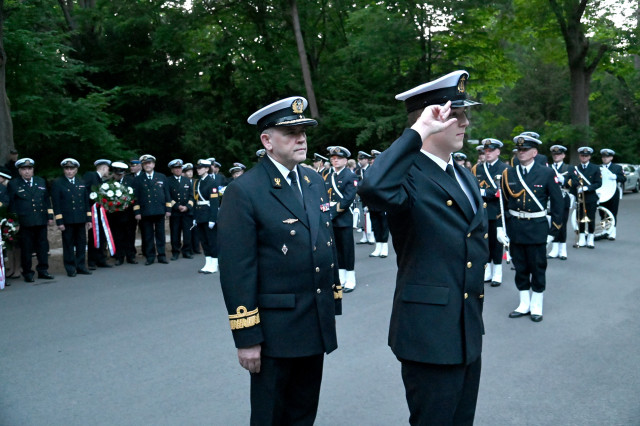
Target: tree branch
x: 67, y: 16
x: 592, y: 66
x: 557, y: 10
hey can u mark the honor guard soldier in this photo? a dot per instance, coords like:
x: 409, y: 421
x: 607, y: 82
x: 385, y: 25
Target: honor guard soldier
x: 181, y: 192
x: 205, y: 215
x: 539, y: 159
x: 122, y: 222
x: 187, y: 171
x: 237, y: 170
x: 459, y: 158
x: 318, y: 163
x: 29, y: 199
x: 526, y: 189
x: 97, y: 255
x: 615, y: 174
x: 564, y: 173
x: 72, y: 211
x: 342, y: 184
x: 588, y: 178
x: 488, y: 174
x: 214, y: 171
x: 439, y: 230
x: 480, y: 151
x: 153, y: 205
x: 278, y: 270
x: 364, y: 162
x: 379, y: 223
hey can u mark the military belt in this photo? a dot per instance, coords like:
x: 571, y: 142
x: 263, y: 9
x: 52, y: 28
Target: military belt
x: 527, y: 215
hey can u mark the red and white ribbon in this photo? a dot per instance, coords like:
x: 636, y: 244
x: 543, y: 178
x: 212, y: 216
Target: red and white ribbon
x: 105, y: 227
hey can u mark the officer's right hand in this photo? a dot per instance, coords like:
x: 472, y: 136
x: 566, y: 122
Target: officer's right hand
x: 61, y: 227
x: 211, y: 225
x: 249, y: 358
x: 502, y: 236
x: 138, y: 217
x: 434, y: 119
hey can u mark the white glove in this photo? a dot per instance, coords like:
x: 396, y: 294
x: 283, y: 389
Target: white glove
x: 483, y: 192
x: 561, y: 179
x: 580, y: 189
x: 211, y: 224
x: 550, y: 239
x: 195, y: 223
x: 502, y: 236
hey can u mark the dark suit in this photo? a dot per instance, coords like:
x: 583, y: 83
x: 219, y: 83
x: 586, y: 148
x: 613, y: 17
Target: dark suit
x: 207, y: 203
x: 341, y: 189
x: 33, y: 207
x: 279, y: 276
x: 594, y: 176
x: 567, y: 172
x: 153, y: 203
x: 181, y: 192
x: 436, y: 323
x: 490, y: 184
x: 72, y: 209
x: 96, y: 255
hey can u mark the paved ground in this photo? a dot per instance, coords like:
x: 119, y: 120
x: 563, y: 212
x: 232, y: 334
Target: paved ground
x: 150, y: 345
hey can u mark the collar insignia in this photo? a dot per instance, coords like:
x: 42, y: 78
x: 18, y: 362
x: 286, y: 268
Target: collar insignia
x: 277, y: 181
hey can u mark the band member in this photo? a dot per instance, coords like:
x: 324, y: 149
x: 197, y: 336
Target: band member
x: 439, y: 229
x: 526, y: 189
x: 97, y: 255
x: 29, y: 199
x: 616, y: 174
x: 480, y: 151
x: 364, y: 162
x: 72, y: 210
x: 153, y: 205
x: 342, y: 184
x: 566, y: 176
x: 588, y: 178
x: 460, y: 158
x: 379, y: 223
x: 488, y: 174
x: 278, y: 270
x: 205, y: 215
x: 180, y: 222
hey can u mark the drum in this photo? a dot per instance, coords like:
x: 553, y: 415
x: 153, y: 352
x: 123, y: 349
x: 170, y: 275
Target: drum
x: 609, y: 186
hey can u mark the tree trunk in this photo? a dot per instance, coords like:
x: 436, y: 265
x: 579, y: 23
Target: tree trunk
x: 304, y: 62
x: 6, y: 125
x: 636, y: 58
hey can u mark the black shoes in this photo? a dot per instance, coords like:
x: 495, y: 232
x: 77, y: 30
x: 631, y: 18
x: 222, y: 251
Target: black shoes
x: 92, y: 267
x: 516, y: 314
x: 119, y: 262
x: 45, y: 276
x: 103, y: 265
x: 536, y: 318
x: 71, y: 274
x: 495, y: 284
x: 149, y: 262
x: 29, y: 279
x: 83, y: 272
x: 162, y: 260
x: 132, y: 261
x: 187, y: 256
x: 175, y: 257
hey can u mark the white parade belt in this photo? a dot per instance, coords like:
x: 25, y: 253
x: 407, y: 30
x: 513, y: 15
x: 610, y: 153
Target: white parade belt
x: 204, y: 203
x: 527, y: 215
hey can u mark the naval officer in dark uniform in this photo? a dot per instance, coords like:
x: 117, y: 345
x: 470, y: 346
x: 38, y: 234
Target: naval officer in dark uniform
x: 70, y: 198
x: 279, y: 271
x: 122, y: 222
x: 587, y: 178
x: 29, y: 199
x: 205, y: 215
x: 438, y: 222
x: 488, y: 174
x: 180, y: 222
x: 153, y: 205
x: 97, y: 255
x: 616, y: 174
x: 564, y: 173
x: 526, y: 190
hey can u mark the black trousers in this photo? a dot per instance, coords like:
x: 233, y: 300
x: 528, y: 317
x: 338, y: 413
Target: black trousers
x: 441, y: 395
x: 345, y: 247
x: 196, y: 244
x: 380, y: 226
x: 120, y: 223
x: 180, y: 226
x: 591, y: 214
x: 286, y: 391
x: 562, y: 235
x: 97, y: 255
x: 612, y: 205
x: 153, y: 236
x: 209, y: 239
x: 33, y: 239
x: 530, y: 261
x: 74, y: 241
x: 495, y: 248
x: 132, y: 228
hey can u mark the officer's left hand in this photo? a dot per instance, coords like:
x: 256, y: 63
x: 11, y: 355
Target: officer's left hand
x: 50, y: 222
x: 168, y: 214
x: 211, y: 225
x: 550, y: 239
x: 88, y: 226
x: 61, y: 227
x: 249, y: 358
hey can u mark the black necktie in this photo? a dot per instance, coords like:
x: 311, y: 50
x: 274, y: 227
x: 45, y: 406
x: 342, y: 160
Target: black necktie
x: 294, y: 185
x: 451, y: 172
x: 524, y: 171
x: 28, y: 182
x: 149, y: 177
x: 72, y: 181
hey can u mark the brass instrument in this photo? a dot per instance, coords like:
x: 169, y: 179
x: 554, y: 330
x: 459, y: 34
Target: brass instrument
x: 582, y: 201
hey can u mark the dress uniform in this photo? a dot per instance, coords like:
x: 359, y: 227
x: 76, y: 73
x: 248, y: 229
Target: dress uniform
x: 564, y: 173
x: 135, y: 169
x: 379, y: 224
x: 342, y: 184
x: 72, y: 210
x: 278, y: 270
x: 97, y: 255
x: 206, y: 205
x: 540, y: 159
x: 439, y: 228
x: 488, y: 175
x: 364, y: 162
x: 219, y: 180
x: 181, y: 192
x: 196, y: 245
x: 122, y: 223
x: 236, y: 171
x: 617, y: 174
x: 153, y: 204
x: 4, y: 192
x: 527, y: 188
x: 318, y: 163
x: 588, y: 178
x: 29, y: 199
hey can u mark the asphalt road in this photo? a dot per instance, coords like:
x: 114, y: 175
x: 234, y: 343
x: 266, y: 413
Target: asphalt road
x: 150, y: 345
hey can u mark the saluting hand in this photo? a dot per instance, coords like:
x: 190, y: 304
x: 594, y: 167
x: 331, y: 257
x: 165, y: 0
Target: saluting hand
x: 434, y: 119
x: 250, y: 358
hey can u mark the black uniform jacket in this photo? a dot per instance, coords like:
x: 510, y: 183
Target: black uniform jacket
x: 441, y: 247
x: 491, y: 191
x: 31, y: 203
x: 593, y: 175
x: 543, y: 182
x: 70, y: 201
x: 4, y: 196
x: 278, y: 264
x: 152, y: 195
x: 91, y: 179
x: 346, y: 182
x: 205, y: 190
x: 181, y: 193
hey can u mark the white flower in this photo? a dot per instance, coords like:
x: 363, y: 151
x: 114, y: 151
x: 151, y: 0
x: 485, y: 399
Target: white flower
x: 116, y: 184
x: 93, y: 195
x: 130, y: 190
x: 118, y: 193
x: 109, y: 193
x: 104, y: 186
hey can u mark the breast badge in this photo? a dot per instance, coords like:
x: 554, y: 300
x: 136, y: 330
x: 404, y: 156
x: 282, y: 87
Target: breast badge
x: 284, y: 249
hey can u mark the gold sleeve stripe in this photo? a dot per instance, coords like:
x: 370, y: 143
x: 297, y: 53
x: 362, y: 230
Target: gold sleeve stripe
x: 214, y: 195
x: 136, y: 207
x: 89, y: 214
x: 173, y: 203
x: 337, y: 293
x: 244, y: 319
x: 556, y: 225
x: 50, y: 211
x: 58, y: 216
x: 168, y: 205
